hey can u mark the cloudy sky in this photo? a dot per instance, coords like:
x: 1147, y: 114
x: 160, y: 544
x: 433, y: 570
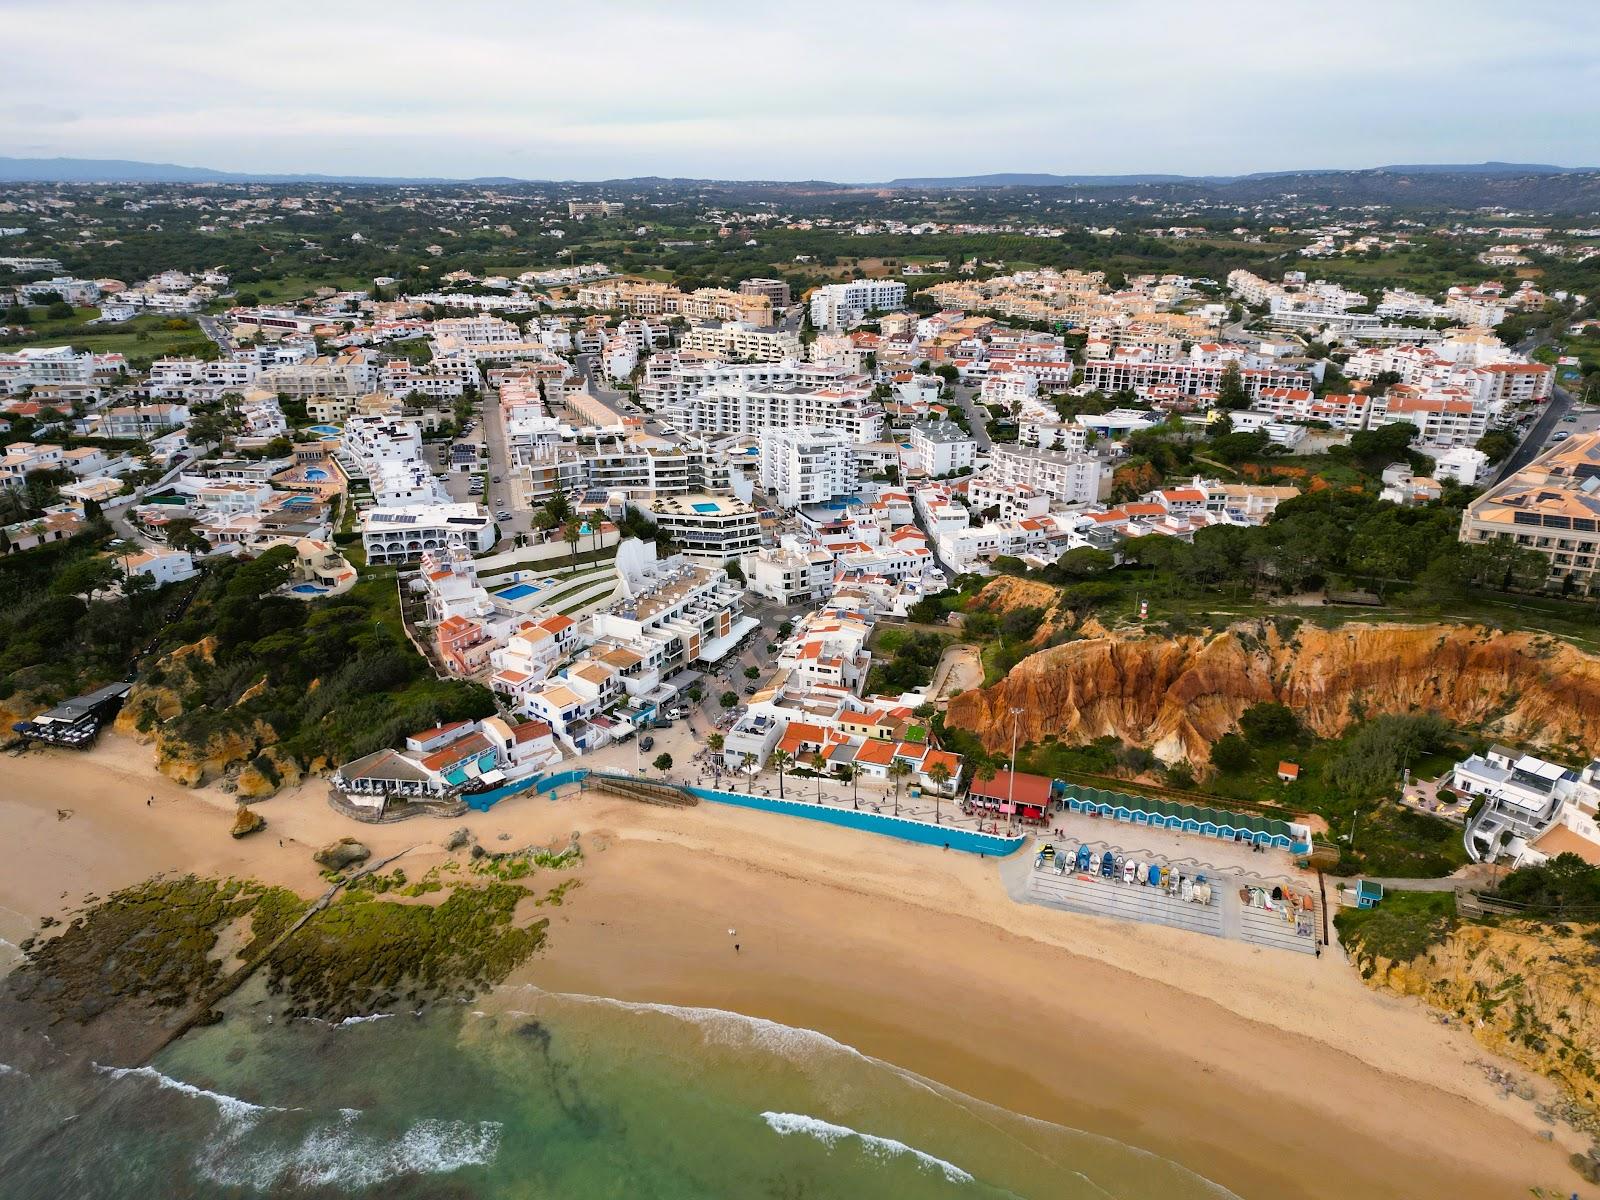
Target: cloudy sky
x: 857, y: 91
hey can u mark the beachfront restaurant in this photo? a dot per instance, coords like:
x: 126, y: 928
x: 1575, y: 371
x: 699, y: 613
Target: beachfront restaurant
x: 1019, y: 795
x: 1188, y: 818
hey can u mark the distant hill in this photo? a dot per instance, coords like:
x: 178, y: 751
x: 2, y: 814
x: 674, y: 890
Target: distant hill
x: 118, y: 170
x: 1043, y: 180
x: 1422, y: 186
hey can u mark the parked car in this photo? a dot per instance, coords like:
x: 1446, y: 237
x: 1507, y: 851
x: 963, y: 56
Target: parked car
x: 750, y: 689
x: 502, y: 515
x: 647, y: 743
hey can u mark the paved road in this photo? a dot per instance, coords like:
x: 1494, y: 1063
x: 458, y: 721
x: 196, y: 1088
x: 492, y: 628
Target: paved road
x: 213, y: 329
x: 1548, y: 421
x: 977, y: 415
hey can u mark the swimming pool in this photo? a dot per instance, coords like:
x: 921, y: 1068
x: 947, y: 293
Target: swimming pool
x: 315, y: 473
x: 705, y: 508
x: 518, y: 592
x: 326, y: 430
x: 309, y: 589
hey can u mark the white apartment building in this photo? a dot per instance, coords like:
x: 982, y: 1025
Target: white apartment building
x: 807, y: 464
x: 740, y: 343
x: 402, y: 533
x: 1464, y: 464
x: 1343, y: 411
x: 351, y: 373
x: 1185, y: 378
x: 387, y: 452
x: 21, y: 458
x: 841, y: 305
x: 1009, y: 388
x: 694, y: 611
x: 77, y: 292
x: 736, y: 409
x: 1063, y: 475
x: 1440, y: 420
x: 194, y: 379
x: 943, y: 447
x: 789, y: 574
x: 44, y: 365
x: 671, y: 377
x: 717, y: 529
x: 142, y: 420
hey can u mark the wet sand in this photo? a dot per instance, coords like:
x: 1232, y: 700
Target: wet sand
x: 1275, y: 1074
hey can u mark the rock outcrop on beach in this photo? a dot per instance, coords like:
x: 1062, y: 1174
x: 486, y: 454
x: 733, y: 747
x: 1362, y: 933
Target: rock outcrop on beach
x: 1530, y: 992
x: 346, y: 852
x: 266, y: 773
x: 1179, y: 695
x: 247, y: 821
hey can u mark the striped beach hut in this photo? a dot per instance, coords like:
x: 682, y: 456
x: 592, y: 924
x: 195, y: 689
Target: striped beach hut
x: 1187, y: 818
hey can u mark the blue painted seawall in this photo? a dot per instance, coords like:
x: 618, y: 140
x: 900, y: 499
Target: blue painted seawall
x: 896, y: 827
x: 902, y: 828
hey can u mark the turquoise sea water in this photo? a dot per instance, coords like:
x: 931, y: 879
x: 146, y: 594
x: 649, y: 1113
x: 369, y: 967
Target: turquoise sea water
x: 537, y: 1095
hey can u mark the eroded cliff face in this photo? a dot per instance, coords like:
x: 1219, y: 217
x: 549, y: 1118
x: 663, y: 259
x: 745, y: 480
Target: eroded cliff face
x: 1178, y: 695
x: 1528, y: 992
x: 150, y: 712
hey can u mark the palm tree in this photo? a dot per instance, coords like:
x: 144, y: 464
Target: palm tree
x: 779, y: 760
x: 819, y: 765
x: 715, y: 742
x: 849, y: 775
x: 898, y: 770
x: 938, y: 775
x: 747, y: 763
x: 572, y: 533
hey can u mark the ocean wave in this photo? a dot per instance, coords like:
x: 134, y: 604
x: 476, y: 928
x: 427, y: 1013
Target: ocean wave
x: 8, y: 1069
x: 336, y: 1155
x: 829, y: 1134
x: 722, y: 1027
x: 364, y: 1020
x: 340, y: 1156
x: 234, y: 1111
x: 739, y: 1030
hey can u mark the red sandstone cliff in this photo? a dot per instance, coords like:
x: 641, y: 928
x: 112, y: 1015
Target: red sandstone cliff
x: 1177, y: 696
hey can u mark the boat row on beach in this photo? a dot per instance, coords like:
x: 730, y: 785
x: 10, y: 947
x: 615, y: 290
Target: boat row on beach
x: 1124, y: 869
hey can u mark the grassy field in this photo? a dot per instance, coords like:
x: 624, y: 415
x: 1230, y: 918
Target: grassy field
x: 298, y: 287
x: 144, y: 337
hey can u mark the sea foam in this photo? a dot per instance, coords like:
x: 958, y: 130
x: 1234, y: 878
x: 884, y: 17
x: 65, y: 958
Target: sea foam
x: 234, y: 1111
x: 829, y: 1134
x: 720, y: 1027
x: 334, y: 1155
x: 341, y: 1156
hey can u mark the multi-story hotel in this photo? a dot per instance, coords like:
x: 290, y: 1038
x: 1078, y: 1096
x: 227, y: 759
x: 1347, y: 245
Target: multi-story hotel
x: 718, y: 529
x: 1552, y: 506
x: 807, y: 464
x: 741, y: 344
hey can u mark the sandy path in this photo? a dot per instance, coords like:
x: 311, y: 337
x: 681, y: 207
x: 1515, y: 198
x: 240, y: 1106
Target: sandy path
x: 1276, y: 1074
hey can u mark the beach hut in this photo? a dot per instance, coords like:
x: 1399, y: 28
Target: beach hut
x: 1368, y: 894
x: 1288, y: 771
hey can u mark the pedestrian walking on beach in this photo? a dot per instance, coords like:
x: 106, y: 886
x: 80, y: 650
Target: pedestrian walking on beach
x: 736, y: 947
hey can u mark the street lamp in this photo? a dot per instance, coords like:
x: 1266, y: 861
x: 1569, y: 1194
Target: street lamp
x: 1011, y: 776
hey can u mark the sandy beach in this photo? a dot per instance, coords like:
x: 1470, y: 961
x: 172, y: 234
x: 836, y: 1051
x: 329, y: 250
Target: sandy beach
x: 1277, y: 1075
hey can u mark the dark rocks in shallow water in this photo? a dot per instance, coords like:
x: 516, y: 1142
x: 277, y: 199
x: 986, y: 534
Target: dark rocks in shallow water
x: 246, y: 822
x: 346, y: 852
